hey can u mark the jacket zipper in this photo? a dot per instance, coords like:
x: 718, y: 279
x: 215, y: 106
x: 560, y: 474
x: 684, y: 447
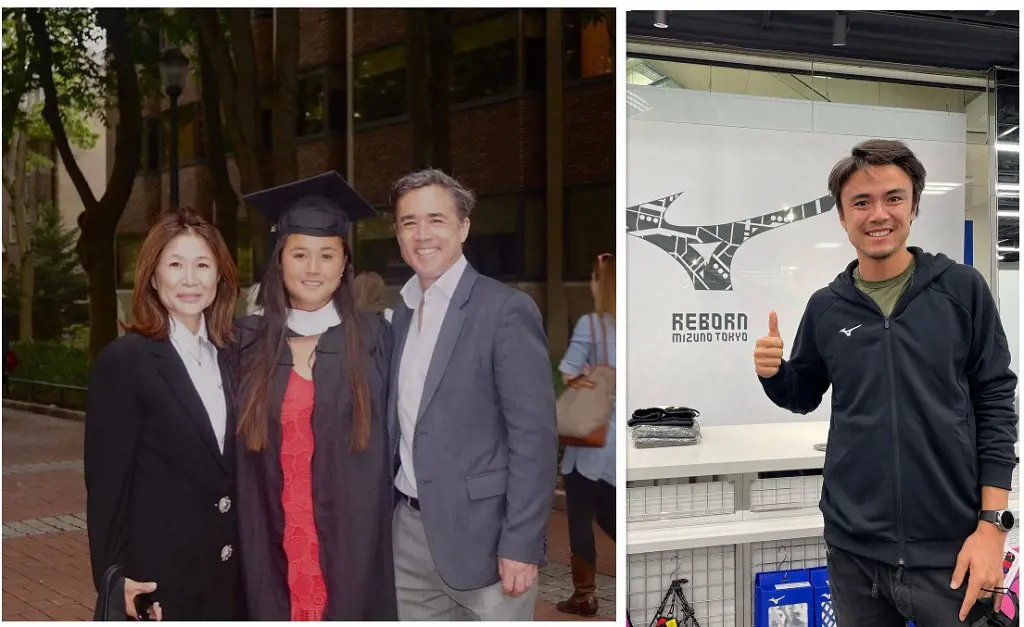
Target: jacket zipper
x: 896, y: 449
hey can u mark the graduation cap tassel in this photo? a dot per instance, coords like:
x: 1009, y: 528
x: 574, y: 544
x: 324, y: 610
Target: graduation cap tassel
x: 675, y: 600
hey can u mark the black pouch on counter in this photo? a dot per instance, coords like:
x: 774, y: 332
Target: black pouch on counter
x: 664, y: 416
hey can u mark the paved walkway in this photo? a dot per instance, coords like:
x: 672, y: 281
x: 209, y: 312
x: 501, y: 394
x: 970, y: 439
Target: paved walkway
x: 46, y: 574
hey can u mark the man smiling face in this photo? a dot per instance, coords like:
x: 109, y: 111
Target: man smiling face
x: 878, y: 210
x: 430, y: 231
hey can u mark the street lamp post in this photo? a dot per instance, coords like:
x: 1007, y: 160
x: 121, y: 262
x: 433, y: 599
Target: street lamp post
x: 173, y: 74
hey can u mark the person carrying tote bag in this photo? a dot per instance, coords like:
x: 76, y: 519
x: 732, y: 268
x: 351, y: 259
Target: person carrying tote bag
x: 585, y: 407
x: 586, y: 411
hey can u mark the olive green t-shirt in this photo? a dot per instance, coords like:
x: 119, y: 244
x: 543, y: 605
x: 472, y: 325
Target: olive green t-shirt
x: 885, y: 293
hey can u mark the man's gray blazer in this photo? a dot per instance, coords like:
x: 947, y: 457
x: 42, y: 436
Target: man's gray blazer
x: 486, y: 444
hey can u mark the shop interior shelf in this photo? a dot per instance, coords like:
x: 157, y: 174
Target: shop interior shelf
x: 731, y: 450
x: 641, y: 539
x: 785, y: 493
x: 710, y: 587
x: 680, y: 499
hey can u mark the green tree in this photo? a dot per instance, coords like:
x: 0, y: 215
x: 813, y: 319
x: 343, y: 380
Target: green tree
x: 61, y: 289
x: 61, y: 51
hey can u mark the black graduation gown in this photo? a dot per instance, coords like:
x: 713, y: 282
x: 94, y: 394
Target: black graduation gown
x: 352, y: 493
x: 160, y: 494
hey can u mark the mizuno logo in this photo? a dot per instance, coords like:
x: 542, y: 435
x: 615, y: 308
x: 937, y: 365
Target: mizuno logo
x: 827, y: 595
x: 847, y: 332
x: 776, y: 600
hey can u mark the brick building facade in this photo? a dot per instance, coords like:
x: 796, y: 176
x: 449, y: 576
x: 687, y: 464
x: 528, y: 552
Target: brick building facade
x: 540, y: 219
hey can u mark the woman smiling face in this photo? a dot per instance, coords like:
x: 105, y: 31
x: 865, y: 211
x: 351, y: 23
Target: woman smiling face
x: 312, y: 268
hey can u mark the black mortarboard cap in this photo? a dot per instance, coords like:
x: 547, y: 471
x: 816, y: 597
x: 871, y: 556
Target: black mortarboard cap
x: 320, y: 206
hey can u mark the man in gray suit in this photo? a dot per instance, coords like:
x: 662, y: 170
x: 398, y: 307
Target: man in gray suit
x: 472, y: 422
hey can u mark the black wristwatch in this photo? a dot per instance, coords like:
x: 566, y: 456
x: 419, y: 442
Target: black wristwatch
x: 1001, y: 518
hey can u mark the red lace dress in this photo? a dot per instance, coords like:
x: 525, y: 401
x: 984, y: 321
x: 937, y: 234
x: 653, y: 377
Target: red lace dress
x: 301, y: 546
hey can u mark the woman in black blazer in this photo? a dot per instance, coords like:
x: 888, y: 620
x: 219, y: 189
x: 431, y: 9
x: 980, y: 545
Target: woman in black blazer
x: 159, y: 424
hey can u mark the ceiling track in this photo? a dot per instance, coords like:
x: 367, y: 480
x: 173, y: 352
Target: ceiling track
x: 672, y: 50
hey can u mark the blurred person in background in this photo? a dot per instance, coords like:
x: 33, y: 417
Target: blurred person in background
x: 589, y: 472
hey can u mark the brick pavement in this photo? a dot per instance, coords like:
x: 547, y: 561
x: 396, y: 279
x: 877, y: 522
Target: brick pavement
x: 46, y: 573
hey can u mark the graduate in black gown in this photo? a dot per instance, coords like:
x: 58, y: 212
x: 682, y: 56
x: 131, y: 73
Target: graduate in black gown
x: 313, y: 477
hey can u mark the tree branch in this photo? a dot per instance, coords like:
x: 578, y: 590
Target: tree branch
x: 13, y: 97
x: 127, y: 147
x: 51, y: 112
x: 211, y: 37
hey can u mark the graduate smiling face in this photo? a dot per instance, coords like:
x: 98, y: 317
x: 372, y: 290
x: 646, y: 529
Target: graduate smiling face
x: 312, y: 268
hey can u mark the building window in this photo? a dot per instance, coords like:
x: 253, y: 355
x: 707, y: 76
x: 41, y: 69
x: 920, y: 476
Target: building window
x: 589, y: 227
x: 485, y: 63
x: 535, y: 49
x: 494, y: 245
x: 588, y: 35
x: 380, y: 85
x: 187, y: 152
x: 152, y: 154
x: 243, y: 254
x: 376, y: 248
x: 337, y: 101
x: 128, y: 246
x: 312, y: 106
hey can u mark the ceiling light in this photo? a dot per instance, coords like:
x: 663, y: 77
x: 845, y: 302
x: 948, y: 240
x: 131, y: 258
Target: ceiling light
x: 839, y: 25
x: 1008, y: 131
x: 827, y: 245
x: 1008, y: 249
x: 1007, y: 147
x: 1009, y: 213
x: 1008, y: 187
x: 661, y: 19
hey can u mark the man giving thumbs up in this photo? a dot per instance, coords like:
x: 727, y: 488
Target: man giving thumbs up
x: 921, y: 437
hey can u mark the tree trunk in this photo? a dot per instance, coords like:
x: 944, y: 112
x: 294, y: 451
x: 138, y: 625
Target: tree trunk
x: 98, y: 222
x: 286, y: 66
x: 225, y: 216
x: 442, y: 53
x: 239, y: 92
x: 25, y: 299
x: 22, y: 202
x: 417, y: 69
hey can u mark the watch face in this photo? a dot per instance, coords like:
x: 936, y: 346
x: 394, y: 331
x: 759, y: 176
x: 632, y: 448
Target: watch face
x: 1006, y: 519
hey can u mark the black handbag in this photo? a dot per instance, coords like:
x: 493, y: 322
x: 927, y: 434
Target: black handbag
x: 110, y: 601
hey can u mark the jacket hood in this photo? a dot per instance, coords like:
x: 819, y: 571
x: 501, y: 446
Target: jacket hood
x: 928, y: 268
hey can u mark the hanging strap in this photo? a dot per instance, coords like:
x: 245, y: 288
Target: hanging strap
x: 604, y: 340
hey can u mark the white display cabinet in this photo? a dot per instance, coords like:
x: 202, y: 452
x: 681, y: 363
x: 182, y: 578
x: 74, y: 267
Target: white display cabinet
x: 701, y: 513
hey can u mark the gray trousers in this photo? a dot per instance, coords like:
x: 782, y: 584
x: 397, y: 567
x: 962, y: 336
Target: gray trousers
x: 423, y: 596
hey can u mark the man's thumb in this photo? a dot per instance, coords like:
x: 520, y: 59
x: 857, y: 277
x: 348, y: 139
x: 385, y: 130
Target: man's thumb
x: 773, y: 325
x: 148, y: 587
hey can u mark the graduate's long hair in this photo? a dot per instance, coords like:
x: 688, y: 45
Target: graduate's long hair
x: 272, y: 341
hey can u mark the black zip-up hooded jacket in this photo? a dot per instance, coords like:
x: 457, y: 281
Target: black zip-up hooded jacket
x: 922, y: 410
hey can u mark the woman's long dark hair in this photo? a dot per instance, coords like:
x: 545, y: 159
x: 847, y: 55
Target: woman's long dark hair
x: 272, y: 341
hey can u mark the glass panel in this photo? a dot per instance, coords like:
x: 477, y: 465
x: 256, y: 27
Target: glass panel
x: 588, y: 37
x: 380, y: 85
x: 485, y: 59
x: 312, y: 107
x: 534, y: 48
x: 494, y: 246
x: 376, y: 248
x: 243, y: 253
x: 589, y: 227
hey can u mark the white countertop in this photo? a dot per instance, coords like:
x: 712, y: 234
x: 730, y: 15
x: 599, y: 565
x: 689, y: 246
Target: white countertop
x: 717, y: 534
x: 734, y: 449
